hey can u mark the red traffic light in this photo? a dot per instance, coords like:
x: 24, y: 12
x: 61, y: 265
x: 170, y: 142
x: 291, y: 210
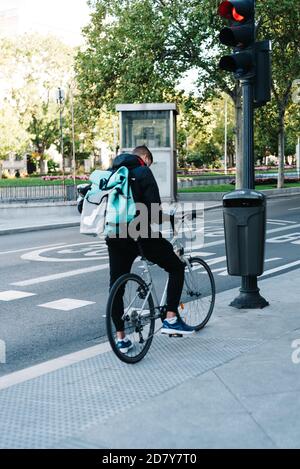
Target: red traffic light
x: 237, y: 10
x: 236, y: 16
x: 241, y: 30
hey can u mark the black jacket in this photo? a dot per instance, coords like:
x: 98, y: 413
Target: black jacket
x: 144, y: 186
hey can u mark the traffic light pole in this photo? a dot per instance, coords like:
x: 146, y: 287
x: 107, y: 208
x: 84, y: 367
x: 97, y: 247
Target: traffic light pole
x: 248, y: 134
x: 249, y: 297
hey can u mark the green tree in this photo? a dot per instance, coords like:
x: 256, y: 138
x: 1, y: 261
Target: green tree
x: 140, y: 50
x: 13, y: 138
x: 280, y: 21
x: 32, y: 68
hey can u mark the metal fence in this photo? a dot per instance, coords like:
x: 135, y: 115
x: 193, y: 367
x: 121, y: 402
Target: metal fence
x: 37, y: 193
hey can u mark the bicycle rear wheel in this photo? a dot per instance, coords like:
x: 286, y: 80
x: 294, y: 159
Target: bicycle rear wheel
x: 130, y: 301
x: 198, y: 295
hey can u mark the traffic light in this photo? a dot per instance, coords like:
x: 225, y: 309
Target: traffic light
x: 240, y: 34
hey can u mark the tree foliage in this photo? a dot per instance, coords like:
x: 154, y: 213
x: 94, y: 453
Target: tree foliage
x: 140, y: 51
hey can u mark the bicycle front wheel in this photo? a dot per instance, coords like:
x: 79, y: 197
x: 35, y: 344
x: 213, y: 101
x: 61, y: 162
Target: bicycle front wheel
x: 130, y: 309
x: 198, y: 295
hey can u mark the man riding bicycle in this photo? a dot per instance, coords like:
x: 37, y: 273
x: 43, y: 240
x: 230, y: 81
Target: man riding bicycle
x: 123, y: 250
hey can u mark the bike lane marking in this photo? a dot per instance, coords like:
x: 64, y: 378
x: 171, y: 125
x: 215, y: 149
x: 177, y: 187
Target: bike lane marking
x: 70, y: 273
x: 98, y: 247
x: 29, y: 249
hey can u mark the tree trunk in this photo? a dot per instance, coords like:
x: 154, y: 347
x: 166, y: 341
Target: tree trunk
x: 1, y: 168
x: 238, y: 137
x: 281, y: 145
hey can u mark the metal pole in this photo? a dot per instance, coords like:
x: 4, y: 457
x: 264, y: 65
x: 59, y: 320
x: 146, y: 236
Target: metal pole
x: 62, y: 143
x: 60, y: 96
x: 249, y: 297
x: 226, y: 135
x: 73, y: 137
x: 248, y: 134
x: 298, y: 157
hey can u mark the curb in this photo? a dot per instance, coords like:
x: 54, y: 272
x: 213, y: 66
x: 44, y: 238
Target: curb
x: 38, y: 204
x: 56, y: 226
x: 29, y: 229
x: 218, y: 196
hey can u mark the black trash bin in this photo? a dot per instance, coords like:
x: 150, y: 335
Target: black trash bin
x: 244, y: 214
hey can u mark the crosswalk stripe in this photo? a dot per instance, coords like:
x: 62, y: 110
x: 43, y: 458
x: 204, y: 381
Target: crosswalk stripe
x: 66, y: 304
x: 11, y: 295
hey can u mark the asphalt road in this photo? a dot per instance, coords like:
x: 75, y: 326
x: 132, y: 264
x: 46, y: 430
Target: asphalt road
x: 54, y: 284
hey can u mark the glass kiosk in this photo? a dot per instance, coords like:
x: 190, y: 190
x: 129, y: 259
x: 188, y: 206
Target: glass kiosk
x: 153, y: 125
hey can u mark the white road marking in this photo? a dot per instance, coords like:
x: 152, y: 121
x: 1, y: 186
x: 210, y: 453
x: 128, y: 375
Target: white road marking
x: 276, y: 223
x: 213, y: 261
x: 12, y: 295
x: 70, y: 273
x: 224, y: 273
x: 106, y: 266
x: 66, y: 304
x: 282, y: 267
x: 52, y: 365
x: 2, y: 352
x: 216, y: 260
x: 292, y: 238
x: 29, y: 249
x: 203, y: 254
x: 296, y: 208
x: 36, y: 255
x: 273, y: 259
x: 284, y: 228
x: 221, y: 269
x: 282, y: 221
x: 222, y: 241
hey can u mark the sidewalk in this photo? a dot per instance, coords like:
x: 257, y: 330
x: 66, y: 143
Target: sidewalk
x: 233, y: 385
x: 23, y: 218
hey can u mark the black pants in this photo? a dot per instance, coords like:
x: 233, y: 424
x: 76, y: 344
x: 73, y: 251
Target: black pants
x: 123, y: 252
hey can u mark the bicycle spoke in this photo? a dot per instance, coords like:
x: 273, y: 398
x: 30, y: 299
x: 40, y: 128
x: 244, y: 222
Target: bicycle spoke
x: 198, y: 294
x: 131, y: 301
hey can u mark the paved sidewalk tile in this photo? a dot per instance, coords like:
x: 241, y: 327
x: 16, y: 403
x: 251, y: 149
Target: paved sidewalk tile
x: 209, y: 415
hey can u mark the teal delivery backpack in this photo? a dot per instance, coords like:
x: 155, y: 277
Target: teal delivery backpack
x: 108, y: 203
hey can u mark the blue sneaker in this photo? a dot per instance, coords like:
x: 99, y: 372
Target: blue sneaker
x: 178, y: 328
x: 124, y: 345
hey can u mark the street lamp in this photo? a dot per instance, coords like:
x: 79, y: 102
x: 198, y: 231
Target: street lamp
x: 60, y: 98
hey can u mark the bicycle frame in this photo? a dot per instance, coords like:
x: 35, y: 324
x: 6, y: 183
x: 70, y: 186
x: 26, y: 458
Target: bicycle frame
x: 150, y: 284
x: 146, y: 275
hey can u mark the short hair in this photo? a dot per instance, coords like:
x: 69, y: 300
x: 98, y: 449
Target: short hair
x: 143, y: 150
